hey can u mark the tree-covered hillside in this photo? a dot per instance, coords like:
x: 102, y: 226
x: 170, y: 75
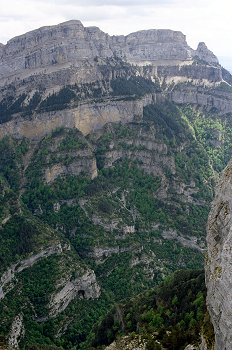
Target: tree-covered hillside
x: 89, y: 221
x: 170, y: 316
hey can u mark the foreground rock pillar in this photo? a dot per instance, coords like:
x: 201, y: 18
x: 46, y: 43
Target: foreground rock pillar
x: 219, y: 262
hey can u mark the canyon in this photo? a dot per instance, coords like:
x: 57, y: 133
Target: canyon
x: 110, y: 149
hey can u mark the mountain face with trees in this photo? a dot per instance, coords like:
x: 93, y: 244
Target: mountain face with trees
x: 110, y: 148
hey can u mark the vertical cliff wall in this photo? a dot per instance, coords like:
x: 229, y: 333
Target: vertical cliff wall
x: 219, y: 262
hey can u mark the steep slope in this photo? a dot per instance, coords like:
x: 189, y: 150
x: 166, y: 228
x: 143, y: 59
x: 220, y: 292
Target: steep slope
x: 218, y: 266
x: 71, y: 45
x: 79, y: 70
x: 107, y: 171
x: 172, y: 316
x: 120, y: 203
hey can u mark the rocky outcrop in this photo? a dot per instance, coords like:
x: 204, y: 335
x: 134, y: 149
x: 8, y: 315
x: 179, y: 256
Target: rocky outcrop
x: 9, y: 275
x: 218, y: 263
x: 211, y: 99
x: 195, y: 74
x: 84, y: 165
x: 128, y: 343
x: 87, y: 118
x: 54, y: 46
x: 150, y: 161
x: 45, y: 60
x: 69, y: 53
x: 99, y: 253
x: 191, y: 242
x: 204, y: 54
x: 155, y: 45
x: 17, y: 332
x: 201, y: 346
x: 84, y: 286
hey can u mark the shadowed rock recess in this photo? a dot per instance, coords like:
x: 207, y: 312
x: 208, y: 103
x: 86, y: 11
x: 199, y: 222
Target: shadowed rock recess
x: 110, y: 147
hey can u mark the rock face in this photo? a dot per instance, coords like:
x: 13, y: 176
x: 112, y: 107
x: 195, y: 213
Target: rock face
x: 71, y: 79
x: 82, y: 165
x: 86, y: 118
x: 36, y: 66
x: 218, y: 266
x: 70, y: 44
x: 85, y: 286
x: 205, y: 54
x: 17, y: 332
x: 127, y: 343
x: 153, y: 45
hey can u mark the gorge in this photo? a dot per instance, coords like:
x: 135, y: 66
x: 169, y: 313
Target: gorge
x: 110, y: 149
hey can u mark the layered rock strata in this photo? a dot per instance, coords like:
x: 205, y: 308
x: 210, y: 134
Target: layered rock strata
x: 71, y: 44
x: 84, y: 60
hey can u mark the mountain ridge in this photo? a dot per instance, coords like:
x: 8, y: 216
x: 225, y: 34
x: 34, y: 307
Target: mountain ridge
x: 103, y: 46
x: 37, y: 66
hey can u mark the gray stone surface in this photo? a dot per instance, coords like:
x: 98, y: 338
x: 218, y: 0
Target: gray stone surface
x: 84, y: 286
x: 219, y: 262
x: 87, y: 118
x: 49, y: 58
x: 71, y: 45
x: 205, y: 54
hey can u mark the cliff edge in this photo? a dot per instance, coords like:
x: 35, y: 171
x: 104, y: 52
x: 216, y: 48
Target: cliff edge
x: 219, y: 262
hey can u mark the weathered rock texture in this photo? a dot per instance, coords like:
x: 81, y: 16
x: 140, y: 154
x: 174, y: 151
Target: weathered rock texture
x: 71, y: 44
x: 17, y: 331
x: 127, y: 343
x: 205, y: 54
x: 138, y: 344
x: 219, y: 262
x: 84, y: 286
x: 48, y: 59
x: 87, y: 118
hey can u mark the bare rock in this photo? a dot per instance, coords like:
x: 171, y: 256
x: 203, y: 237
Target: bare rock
x: 70, y: 45
x: 219, y: 262
x: 201, y: 346
x: 84, y: 286
x: 87, y: 118
x: 205, y: 54
x: 84, y: 165
x: 127, y: 343
x: 17, y: 332
x: 153, y: 45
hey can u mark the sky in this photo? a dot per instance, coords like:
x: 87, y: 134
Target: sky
x: 199, y: 20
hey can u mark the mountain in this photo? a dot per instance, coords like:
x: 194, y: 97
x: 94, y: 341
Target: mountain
x: 52, y: 68
x: 110, y: 149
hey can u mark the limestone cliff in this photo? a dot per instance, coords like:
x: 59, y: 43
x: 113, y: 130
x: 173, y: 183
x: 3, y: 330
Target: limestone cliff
x: 218, y: 266
x: 71, y: 44
x: 205, y: 54
x: 64, y: 76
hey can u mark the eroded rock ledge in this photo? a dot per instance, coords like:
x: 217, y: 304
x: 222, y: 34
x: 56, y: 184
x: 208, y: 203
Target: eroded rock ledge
x: 9, y: 275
